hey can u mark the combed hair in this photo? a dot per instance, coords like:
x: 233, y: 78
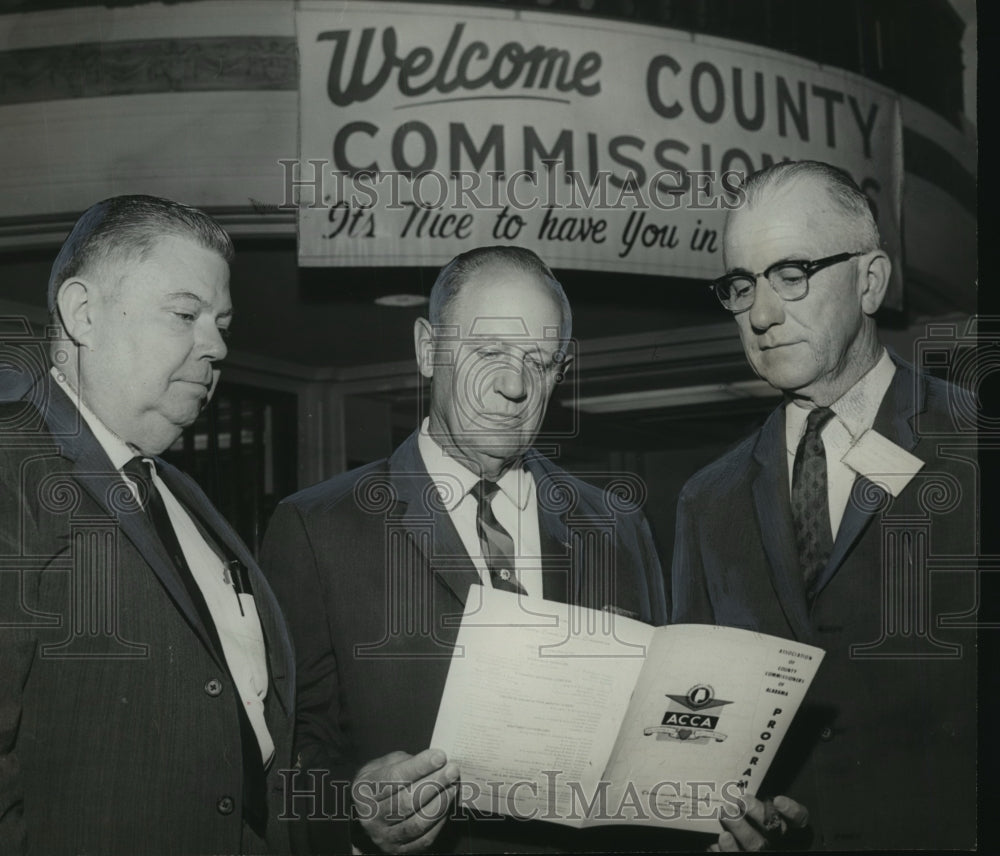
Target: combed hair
x: 126, y: 228
x: 464, y: 267
x: 844, y: 192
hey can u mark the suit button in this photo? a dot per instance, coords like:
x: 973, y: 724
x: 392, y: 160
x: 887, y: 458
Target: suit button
x: 225, y: 805
x: 826, y: 734
x: 213, y: 687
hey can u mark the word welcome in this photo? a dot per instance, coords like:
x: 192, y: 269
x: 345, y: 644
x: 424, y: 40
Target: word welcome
x: 420, y: 70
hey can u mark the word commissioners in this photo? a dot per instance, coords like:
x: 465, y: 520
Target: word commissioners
x: 428, y: 130
x: 597, y: 718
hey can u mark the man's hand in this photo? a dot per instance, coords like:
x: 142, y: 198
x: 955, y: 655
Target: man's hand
x: 402, y: 800
x: 763, y: 825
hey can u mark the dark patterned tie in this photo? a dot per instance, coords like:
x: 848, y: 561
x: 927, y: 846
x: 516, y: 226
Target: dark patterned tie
x: 140, y: 471
x: 810, y: 503
x: 495, y: 541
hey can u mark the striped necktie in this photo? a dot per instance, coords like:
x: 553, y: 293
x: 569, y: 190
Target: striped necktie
x: 495, y: 541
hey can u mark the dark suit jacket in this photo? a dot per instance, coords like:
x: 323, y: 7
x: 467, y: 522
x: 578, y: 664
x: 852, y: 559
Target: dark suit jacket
x: 368, y: 570
x: 119, y: 730
x: 884, y: 750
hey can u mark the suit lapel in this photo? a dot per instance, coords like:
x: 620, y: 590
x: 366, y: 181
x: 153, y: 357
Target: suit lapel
x: 94, y: 472
x: 553, y: 533
x: 187, y: 492
x: 774, y: 517
x: 903, y: 400
x: 431, y: 532
x: 852, y: 525
x: 427, y: 524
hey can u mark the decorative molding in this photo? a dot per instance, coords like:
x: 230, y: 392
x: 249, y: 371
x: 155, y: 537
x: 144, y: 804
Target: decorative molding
x: 148, y: 66
x: 50, y: 230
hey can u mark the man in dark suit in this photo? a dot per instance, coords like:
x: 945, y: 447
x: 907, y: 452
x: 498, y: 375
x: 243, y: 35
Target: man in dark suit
x: 847, y: 521
x: 148, y: 678
x: 373, y: 568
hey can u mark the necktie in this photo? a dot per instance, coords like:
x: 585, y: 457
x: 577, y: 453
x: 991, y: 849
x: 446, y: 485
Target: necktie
x: 810, y: 503
x: 495, y: 541
x: 140, y: 470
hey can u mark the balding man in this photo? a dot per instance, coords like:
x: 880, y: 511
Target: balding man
x: 821, y: 525
x: 373, y: 569
x: 146, y: 701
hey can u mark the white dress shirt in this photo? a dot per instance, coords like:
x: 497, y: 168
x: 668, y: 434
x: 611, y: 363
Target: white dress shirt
x: 235, y: 615
x: 854, y: 414
x: 515, y: 507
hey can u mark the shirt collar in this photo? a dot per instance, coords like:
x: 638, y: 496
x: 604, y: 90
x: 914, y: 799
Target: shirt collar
x: 454, y: 480
x: 855, y: 409
x: 114, y: 446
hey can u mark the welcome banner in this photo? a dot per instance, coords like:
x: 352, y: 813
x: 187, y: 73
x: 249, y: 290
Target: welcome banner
x: 426, y: 130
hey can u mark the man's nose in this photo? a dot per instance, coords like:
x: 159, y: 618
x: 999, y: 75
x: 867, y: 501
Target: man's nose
x: 213, y: 344
x: 768, y: 308
x: 511, y: 382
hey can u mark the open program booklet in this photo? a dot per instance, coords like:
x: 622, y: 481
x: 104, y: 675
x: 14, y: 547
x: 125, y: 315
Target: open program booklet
x: 585, y: 717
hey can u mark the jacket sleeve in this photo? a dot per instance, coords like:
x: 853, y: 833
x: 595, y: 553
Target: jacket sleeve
x: 17, y: 647
x: 659, y: 597
x: 321, y: 746
x: 15, y: 659
x: 687, y: 590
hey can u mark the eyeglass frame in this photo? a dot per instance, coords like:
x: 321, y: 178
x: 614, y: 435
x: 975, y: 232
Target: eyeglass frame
x: 807, y: 267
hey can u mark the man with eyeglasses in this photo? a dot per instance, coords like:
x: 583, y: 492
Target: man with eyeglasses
x: 844, y: 522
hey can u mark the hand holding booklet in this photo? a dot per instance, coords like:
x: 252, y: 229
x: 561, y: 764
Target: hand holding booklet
x: 583, y: 717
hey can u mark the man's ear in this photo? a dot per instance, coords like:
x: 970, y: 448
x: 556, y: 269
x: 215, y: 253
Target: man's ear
x: 75, y: 302
x: 423, y: 345
x: 875, y: 270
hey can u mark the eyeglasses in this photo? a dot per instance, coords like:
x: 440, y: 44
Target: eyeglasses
x: 790, y: 281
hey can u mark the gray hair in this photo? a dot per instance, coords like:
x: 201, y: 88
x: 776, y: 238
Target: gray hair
x: 849, y: 199
x: 465, y: 266
x: 125, y: 228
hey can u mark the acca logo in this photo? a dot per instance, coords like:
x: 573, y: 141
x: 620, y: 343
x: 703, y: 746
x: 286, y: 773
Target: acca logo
x: 692, y: 717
